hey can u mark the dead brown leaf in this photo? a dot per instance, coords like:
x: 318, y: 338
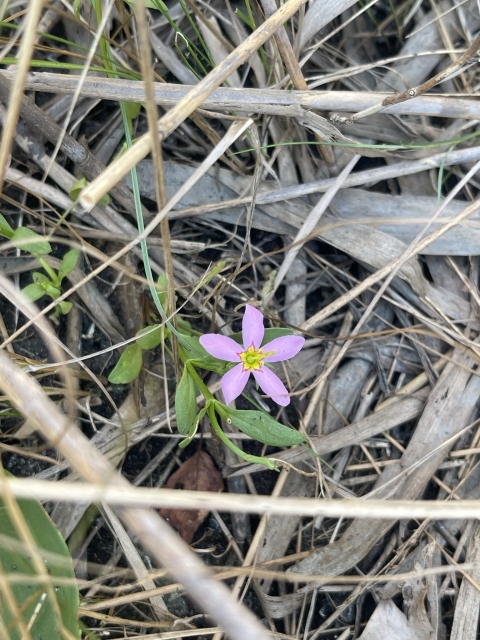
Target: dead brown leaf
x: 198, y: 473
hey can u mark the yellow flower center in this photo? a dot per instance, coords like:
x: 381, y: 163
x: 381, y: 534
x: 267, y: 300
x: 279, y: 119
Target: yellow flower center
x: 253, y: 358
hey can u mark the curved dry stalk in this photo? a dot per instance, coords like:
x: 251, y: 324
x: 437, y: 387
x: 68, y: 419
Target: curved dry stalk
x: 159, y: 173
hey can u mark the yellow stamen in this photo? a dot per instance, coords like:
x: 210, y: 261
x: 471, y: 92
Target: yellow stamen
x: 253, y: 359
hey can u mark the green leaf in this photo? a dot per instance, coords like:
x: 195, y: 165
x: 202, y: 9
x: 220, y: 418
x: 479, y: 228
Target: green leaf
x: 162, y: 289
x: 129, y: 365
x: 29, y: 595
x: 185, y: 403
x: 260, y: 426
x: 132, y: 109
x: 184, y: 325
x: 5, y: 229
x: 193, y: 429
x: 62, y: 308
x: 162, y: 283
x: 270, y: 334
x: 28, y: 240
x: 53, y: 292
x: 33, y: 292
x: 150, y: 337
x: 276, y: 332
x: 69, y: 263
x: 194, y: 351
x: 40, y: 278
x: 80, y: 184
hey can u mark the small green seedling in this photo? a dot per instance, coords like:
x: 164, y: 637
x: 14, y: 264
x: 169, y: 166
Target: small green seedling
x: 50, y: 285
x: 42, y: 285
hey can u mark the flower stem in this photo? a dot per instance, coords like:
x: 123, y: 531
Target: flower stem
x: 268, y: 462
x: 211, y: 404
x: 198, y: 381
x: 49, y: 270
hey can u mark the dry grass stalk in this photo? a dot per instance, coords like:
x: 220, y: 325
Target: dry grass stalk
x: 266, y: 101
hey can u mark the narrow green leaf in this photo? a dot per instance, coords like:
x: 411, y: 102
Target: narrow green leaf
x: 245, y: 18
x: 69, y: 263
x: 185, y: 403
x: 33, y: 292
x: 149, y: 337
x: 152, y: 4
x: 260, y: 426
x: 129, y: 365
x: 5, y: 229
x: 30, y: 594
x: 28, y: 240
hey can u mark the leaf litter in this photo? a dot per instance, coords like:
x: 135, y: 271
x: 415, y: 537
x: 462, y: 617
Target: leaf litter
x: 267, y: 206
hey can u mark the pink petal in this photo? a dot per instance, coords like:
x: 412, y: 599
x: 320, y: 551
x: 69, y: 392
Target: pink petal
x: 252, y: 327
x: 285, y: 348
x: 233, y: 383
x: 221, y: 347
x: 272, y: 386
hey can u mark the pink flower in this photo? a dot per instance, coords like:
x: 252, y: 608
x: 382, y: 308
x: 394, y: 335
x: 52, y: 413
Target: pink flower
x: 252, y: 358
